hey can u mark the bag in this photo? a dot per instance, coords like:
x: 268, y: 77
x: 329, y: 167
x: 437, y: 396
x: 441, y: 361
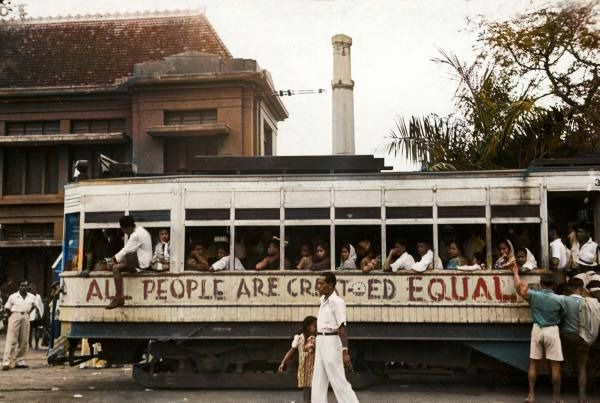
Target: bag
x: 589, y: 320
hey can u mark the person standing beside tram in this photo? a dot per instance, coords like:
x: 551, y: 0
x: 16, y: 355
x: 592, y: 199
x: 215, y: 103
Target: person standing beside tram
x: 136, y: 254
x: 332, y: 345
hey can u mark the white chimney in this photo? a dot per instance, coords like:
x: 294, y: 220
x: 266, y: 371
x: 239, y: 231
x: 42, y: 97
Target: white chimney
x: 342, y: 89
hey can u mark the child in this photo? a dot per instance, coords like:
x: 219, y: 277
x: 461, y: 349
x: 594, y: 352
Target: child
x: 478, y: 263
x: 454, y: 254
x: 320, y: 260
x: 161, y: 257
x: 525, y: 260
x: 306, y: 256
x: 304, y: 342
x: 347, y: 257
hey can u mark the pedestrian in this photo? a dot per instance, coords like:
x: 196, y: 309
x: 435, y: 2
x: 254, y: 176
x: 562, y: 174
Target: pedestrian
x: 35, y: 318
x: 575, y: 348
x: 18, y: 308
x: 304, y: 343
x: 136, y: 254
x: 332, y: 345
x: 546, y: 311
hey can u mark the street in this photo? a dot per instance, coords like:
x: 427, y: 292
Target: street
x: 41, y: 383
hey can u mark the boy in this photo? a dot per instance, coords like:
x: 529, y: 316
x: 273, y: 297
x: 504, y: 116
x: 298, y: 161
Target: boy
x: 162, y: 251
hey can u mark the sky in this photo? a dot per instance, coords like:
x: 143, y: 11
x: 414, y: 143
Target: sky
x: 394, y: 42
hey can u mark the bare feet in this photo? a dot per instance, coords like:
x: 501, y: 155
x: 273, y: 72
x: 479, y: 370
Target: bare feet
x: 529, y: 399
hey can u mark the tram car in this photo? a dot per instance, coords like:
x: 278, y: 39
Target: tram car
x: 187, y: 328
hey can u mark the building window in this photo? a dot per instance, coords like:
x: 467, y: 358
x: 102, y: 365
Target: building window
x: 18, y: 232
x: 180, y: 154
x: 267, y: 139
x: 31, y: 171
x: 28, y: 128
x: 195, y: 117
x: 98, y: 126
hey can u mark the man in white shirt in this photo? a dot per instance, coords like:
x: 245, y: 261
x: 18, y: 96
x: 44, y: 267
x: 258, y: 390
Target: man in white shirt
x: 426, y: 260
x: 403, y: 260
x: 18, y: 306
x: 331, y: 354
x: 136, y: 254
x: 558, y: 251
x: 223, y: 260
x: 587, y: 259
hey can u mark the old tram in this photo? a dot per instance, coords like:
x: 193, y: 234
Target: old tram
x: 223, y: 329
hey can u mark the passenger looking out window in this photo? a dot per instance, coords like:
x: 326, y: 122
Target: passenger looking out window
x: 587, y: 259
x: 507, y: 255
x: 271, y: 261
x: 347, y: 257
x: 455, y: 257
x: 559, y: 255
x: 306, y: 256
x: 95, y: 253
x: 474, y: 243
x: 162, y: 251
x: 320, y: 260
x: 369, y: 259
x: 223, y: 262
x: 477, y: 263
x: 398, y: 258
x: 197, y: 259
x: 427, y: 260
x: 525, y: 260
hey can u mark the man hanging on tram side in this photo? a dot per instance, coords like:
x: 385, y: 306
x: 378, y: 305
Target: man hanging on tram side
x: 136, y: 254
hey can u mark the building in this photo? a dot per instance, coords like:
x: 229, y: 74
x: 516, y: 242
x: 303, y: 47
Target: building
x: 156, y: 90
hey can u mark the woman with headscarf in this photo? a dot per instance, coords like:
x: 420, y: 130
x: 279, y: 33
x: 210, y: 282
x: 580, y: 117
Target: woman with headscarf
x: 525, y: 260
x: 507, y: 255
x: 347, y: 257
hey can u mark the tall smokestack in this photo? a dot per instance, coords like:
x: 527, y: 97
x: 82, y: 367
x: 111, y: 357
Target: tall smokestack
x: 342, y: 89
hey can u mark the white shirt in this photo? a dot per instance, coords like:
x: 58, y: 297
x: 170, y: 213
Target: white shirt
x: 332, y: 314
x: 16, y: 303
x: 405, y: 261
x: 559, y: 251
x: 425, y: 261
x: 588, y: 253
x: 139, y: 242
x: 40, y: 305
x: 223, y: 264
x: 162, y: 250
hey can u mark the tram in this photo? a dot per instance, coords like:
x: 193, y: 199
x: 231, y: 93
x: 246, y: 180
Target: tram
x: 230, y: 328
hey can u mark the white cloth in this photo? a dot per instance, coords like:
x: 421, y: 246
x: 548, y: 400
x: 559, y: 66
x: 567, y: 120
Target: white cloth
x: 405, y: 261
x: 558, y: 250
x: 588, y: 254
x: 530, y: 262
x: 17, y: 338
x: 162, y: 251
x: 16, y: 303
x: 332, y: 314
x: 223, y: 264
x: 424, y: 263
x: 329, y: 368
x: 40, y: 307
x: 140, y: 243
x: 472, y: 267
x: 350, y: 263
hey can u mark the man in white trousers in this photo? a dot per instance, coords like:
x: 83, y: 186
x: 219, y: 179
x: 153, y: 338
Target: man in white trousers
x: 331, y: 354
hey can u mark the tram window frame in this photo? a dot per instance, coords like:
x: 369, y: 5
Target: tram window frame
x: 243, y: 232
x: 71, y: 259
x: 212, y: 237
x: 376, y: 240
x: 510, y: 230
x: 462, y: 232
x: 296, y: 237
x: 395, y: 232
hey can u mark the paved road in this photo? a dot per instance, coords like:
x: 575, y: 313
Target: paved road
x: 41, y: 383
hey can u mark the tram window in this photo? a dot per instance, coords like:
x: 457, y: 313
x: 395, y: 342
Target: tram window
x: 207, y: 214
x: 458, y: 244
x: 409, y: 212
x: 151, y: 215
x: 257, y: 214
x: 566, y: 210
x: 100, y: 245
x: 103, y: 217
x: 258, y: 246
x: 520, y: 236
x: 521, y: 210
x: 355, y: 236
x: 71, y: 242
x: 307, y: 213
x: 342, y: 213
x: 202, y: 246
x: 411, y: 235
x: 303, y: 243
x: 461, y: 211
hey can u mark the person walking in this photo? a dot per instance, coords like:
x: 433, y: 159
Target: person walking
x: 18, y: 307
x: 546, y: 311
x: 35, y: 319
x: 332, y: 345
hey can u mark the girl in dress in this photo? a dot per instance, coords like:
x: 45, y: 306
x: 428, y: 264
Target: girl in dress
x: 304, y: 343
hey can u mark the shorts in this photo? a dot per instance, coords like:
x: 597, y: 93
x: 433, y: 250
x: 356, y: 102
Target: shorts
x: 576, y: 350
x: 545, y: 343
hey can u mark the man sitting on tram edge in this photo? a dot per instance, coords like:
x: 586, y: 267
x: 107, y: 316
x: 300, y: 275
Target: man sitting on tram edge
x: 136, y: 254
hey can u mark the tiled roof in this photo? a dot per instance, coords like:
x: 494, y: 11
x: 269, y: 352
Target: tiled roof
x: 101, y: 52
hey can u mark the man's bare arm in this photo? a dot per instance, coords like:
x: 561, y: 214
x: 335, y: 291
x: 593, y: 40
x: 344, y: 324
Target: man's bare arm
x: 343, y: 333
x: 520, y: 286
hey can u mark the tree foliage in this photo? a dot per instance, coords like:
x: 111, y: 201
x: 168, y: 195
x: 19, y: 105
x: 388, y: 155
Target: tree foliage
x: 532, y: 93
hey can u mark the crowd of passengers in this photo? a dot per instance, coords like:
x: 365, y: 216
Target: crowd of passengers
x: 467, y: 254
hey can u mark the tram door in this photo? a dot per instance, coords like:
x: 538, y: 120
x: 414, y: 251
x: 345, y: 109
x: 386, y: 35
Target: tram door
x: 567, y: 209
